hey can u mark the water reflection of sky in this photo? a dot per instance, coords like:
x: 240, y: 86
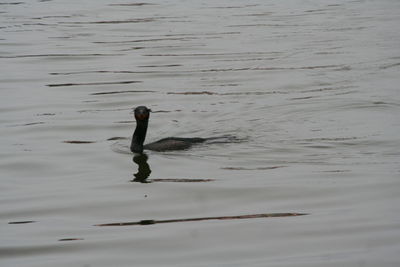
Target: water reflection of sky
x: 309, y: 88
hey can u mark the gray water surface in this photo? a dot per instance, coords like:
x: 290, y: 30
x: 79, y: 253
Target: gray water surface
x: 308, y: 89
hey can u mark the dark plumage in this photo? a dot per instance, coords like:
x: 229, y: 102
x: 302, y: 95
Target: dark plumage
x: 142, y: 115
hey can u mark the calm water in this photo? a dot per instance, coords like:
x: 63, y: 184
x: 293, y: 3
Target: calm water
x: 309, y: 90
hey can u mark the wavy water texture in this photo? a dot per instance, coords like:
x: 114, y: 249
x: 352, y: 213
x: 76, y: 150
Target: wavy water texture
x: 302, y: 95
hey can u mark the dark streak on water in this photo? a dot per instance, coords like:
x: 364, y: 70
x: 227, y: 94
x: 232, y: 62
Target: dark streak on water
x: 161, y: 66
x: 12, y: 3
x: 59, y: 55
x: 239, y: 217
x: 71, y: 239
x: 249, y: 169
x: 103, y: 71
x: 21, y: 222
x: 132, y: 4
x: 28, y: 124
x: 78, y: 142
x: 111, y: 21
x: 90, y: 83
x: 147, y: 40
x: 181, y: 180
x: 333, y: 67
x: 193, y: 93
x: 208, y: 54
x: 123, y: 92
x: 117, y: 137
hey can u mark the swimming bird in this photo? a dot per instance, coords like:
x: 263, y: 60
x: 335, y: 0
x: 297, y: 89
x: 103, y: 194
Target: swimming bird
x: 142, y: 115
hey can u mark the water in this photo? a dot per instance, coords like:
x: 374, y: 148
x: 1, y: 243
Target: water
x: 309, y: 89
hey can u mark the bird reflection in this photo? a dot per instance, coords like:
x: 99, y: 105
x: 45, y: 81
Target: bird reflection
x: 143, y: 168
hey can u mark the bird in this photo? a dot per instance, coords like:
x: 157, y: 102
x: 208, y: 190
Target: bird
x: 142, y: 116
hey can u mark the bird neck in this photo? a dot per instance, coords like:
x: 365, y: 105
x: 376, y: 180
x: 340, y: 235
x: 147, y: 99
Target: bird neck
x: 139, y: 136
